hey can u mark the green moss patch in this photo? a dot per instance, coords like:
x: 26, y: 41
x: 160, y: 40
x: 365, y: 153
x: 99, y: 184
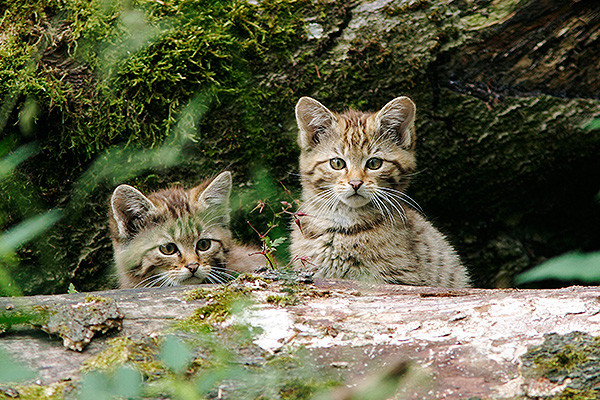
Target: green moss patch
x: 574, y: 357
x: 56, y: 391
x: 123, y: 350
x: 218, y: 305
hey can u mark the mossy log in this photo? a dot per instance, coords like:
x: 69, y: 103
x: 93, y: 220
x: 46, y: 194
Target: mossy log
x: 471, y: 343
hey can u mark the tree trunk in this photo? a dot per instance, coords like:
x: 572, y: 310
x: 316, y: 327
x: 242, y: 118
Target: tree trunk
x: 460, y: 343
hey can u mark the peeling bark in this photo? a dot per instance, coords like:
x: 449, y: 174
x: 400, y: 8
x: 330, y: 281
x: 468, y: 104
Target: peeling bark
x: 467, y: 343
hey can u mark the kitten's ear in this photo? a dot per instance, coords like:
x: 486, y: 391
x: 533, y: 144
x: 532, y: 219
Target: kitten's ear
x: 314, y: 120
x: 129, y: 209
x: 216, y: 195
x: 397, y: 120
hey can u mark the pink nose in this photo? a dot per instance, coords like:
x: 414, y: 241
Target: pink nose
x: 355, y: 183
x: 193, y: 267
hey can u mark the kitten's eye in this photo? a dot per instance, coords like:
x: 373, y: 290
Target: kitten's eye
x: 203, y: 244
x: 374, y: 163
x: 337, y: 163
x: 168, y: 249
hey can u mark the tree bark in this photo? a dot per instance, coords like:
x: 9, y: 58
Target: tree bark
x: 465, y: 343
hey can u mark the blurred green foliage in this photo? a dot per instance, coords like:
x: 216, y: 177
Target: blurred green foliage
x: 13, y: 371
x: 572, y: 267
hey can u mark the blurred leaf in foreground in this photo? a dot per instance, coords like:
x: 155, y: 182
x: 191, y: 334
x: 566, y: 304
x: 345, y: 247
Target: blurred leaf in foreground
x: 569, y: 267
x: 11, y: 371
x: 125, y: 382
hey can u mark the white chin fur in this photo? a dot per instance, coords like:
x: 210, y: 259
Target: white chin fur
x: 355, y: 201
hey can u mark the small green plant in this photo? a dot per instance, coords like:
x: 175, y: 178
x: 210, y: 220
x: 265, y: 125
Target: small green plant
x: 269, y: 246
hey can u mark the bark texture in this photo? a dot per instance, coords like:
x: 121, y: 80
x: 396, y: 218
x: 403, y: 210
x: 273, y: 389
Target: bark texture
x: 460, y: 344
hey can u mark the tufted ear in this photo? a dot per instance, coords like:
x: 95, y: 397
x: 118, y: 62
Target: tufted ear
x: 396, y: 120
x: 215, y: 198
x: 314, y: 120
x: 129, y: 209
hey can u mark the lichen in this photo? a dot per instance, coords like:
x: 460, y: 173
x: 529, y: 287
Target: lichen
x: 572, y: 359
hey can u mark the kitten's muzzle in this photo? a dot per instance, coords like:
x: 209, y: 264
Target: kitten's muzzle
x: 193, y: 267
x: 356, y: 184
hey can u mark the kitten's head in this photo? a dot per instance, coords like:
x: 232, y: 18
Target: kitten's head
x: 354, y: 158
x: 173, y: 236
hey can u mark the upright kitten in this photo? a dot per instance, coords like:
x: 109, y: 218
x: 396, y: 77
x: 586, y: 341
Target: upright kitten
x: 175, y: 236
x: 357, y: 221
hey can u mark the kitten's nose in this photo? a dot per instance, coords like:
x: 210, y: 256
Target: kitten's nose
x: 355, y: 183
x: 193, y: 267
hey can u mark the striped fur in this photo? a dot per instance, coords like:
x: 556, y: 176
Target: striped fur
x: 357, y: 222
x: 141, y: 226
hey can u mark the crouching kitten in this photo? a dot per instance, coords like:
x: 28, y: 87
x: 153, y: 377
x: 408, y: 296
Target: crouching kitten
x: 357, y: 221
x: 176, y: 236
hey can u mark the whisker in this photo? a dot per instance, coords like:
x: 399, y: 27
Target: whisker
x: 225, y: 272
x: 393, y: 202
x: 223, y: 275
x: 218, y: 277
x: 327, y: 199
x: 404, y: 197
x: 383, y: 208
x: 152, y: 278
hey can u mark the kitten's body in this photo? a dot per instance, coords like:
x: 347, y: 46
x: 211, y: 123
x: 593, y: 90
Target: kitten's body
x: 356, y: 221
x: 176, y: 236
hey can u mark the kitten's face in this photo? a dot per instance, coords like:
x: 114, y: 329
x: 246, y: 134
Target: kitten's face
x: 187, y: 250
x: 354, y: 158
x: 173, y: 236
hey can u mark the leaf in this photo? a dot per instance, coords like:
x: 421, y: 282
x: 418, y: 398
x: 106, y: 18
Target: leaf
x: 268, y: 242
x: 71, y: 289
x: 568, y: 267
x: 278, y: 241
x: 13, y: 371
x: 12, y: 160
x: 95, y: 386
x: 175, y: 354
x: 592, y: 125
x: 127, y: 383
x: 17, y: 236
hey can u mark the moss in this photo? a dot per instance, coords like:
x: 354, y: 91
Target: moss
x: 120, y: 72
x: 89, y: 298
x: 283, y: 301
x: 123, y: 350
x: 574, y: 394
x: 297, y: 389
x: 219, y: 303
x: 571, y: 358
x: 496, y: 13
x: 56, y: 391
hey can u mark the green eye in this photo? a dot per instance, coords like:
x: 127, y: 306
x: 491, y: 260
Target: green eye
x: 203, y: 244
x: 168, y: 249
x: 374, y: 163
x: 337, y: 163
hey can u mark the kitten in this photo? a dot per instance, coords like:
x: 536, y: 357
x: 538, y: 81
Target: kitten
x: 357, y: 221
x: 176, y: 236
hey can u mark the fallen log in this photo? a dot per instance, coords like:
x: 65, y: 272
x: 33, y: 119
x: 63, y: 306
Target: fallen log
x: 460, y: 343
